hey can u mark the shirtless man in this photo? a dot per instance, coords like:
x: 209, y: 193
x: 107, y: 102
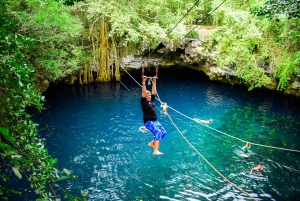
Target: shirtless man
x: 258, y: 168
x: 203, y: 121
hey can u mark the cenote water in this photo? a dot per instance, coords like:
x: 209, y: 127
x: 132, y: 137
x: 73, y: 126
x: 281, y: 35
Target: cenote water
x: 93, y: 130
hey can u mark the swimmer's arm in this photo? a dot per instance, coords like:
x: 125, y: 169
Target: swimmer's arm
x: 254, y: 169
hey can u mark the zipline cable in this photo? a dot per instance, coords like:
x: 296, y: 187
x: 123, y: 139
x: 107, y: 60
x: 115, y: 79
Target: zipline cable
x: 120, y: 80
x: 189, y: 31
x: 175, y: 26
x: 130, y: 75
x: 197, y: 25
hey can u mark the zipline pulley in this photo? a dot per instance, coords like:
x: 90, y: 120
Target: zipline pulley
x: 156, y: 69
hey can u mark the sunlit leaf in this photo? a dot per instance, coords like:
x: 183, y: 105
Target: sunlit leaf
x: 17, y: 172
x: 84, y: 193
x: 68, y: 172
x: 41, y: 199
x: 62, y: 178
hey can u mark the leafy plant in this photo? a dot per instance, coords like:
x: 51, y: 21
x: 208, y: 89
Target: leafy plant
x: 239, y: 46
x: 273, y: 8
x: 21, y: 150
x: 55, y: 32
x: 257, y: 49
x: 192, y: 34
x: 286, y: 68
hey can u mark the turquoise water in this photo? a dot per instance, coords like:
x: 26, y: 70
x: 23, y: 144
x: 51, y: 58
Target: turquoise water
x: 94, y: 132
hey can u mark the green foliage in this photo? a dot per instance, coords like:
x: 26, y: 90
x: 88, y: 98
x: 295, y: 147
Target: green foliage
x: 253, y: 76
x: 140, y: 22
x: 56, y: 33
x: 273, y: 8
x: 287, y: 68
x: 294, y: 35
x: 297, y: 62
x: 21, y: 150
x: 282, y: 44
x: 192, y: 34
x: 201, y: 11
x: 256, y: 48
x: 42, y: 40
x: 238, y: 47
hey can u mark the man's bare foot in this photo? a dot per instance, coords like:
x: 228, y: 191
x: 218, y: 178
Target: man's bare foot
x: 151, y: 145
x: 158, y: 153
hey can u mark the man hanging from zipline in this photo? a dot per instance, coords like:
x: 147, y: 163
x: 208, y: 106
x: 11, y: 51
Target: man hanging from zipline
x: 149, y: 115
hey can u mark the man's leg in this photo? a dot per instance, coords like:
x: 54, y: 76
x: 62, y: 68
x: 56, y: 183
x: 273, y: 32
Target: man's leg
x: 156, y: 145
x: 151, y: 144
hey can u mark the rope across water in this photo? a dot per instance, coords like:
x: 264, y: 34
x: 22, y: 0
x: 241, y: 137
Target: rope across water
x: 220, y: 174
x: 279, y: 148
x: 238, y: 188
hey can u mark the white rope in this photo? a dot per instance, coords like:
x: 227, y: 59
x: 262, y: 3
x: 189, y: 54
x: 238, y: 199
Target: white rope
x: 254, y: 153
x: 119, y: 81
x: 221, y: 175
x: 252, y: 143
x: 157, y: 98
x: 124, y: 85
x: 130, y: 75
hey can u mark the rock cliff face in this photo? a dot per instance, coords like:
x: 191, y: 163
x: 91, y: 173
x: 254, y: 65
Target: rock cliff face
x: 192, y: 54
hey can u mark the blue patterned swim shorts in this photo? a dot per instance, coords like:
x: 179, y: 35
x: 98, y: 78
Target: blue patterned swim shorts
x: 159, y: 133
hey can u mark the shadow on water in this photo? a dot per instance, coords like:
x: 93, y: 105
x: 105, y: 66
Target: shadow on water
x: 94, y: 131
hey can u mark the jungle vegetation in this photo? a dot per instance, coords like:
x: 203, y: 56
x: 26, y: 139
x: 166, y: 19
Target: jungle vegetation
x: 42, y: 41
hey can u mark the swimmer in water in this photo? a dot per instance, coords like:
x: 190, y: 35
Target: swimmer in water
x: 246, y: 148
x: 203, y: 121
x: 258, y: 168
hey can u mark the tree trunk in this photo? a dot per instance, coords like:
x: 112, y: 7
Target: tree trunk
x: 103, y: 70
x: 79, y: 76
x: 85, y: 72
x: 115, y: 55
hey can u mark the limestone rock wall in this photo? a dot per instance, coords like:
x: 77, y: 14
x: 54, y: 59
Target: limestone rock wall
x: 192, y: 54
